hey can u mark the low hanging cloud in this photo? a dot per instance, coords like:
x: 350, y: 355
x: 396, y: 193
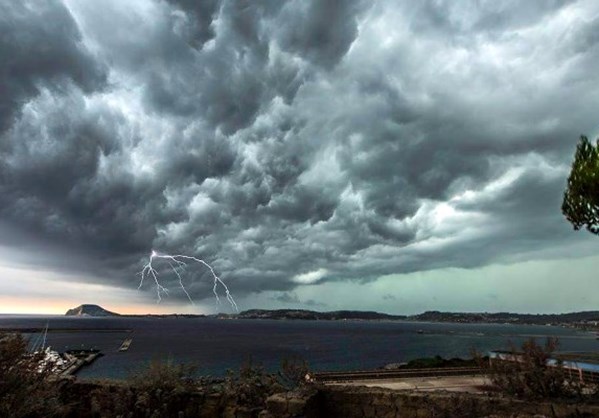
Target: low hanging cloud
x: 291, y: 143
x: 310, y: 277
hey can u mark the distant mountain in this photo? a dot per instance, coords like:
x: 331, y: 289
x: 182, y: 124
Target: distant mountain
x: 509, y: 317
x: 314, y: 315
x: 578, y: 319
x: 89, y: 310
x: 586, y: 320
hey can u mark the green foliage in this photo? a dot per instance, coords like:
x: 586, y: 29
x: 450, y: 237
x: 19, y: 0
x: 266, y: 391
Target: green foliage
x: 293, y: 372
x: 438, y: 362
x: 581, y: 199
x: 25, y: 389
x: 251, y: 385
x: 165, y: 376
x: 163, y: 389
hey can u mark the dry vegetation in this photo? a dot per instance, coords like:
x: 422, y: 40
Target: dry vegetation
x: 527, y: 373
x: 163, y: 389
x: 25, y: 387
x: 166, y: 389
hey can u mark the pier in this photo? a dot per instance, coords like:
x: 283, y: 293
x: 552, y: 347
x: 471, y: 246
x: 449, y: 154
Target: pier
x: 76, y: 359
x: 125, y: 345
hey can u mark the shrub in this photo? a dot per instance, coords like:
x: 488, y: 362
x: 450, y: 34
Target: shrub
x: 293, y: 373
x: 251, y: 385
x: 25, y: 386
x: 438, y: 362
x: 165, y: 376
x: 526, y: 373
x: 163, y: 389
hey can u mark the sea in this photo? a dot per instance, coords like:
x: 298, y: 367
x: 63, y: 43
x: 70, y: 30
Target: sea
x: 217, y: 345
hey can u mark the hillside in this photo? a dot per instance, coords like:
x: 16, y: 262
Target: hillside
x: 89, y: 310
x: 314, y: 315
x: 509, y: 317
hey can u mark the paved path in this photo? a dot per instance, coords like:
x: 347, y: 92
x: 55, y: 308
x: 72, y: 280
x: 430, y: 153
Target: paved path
x: 470, y: 384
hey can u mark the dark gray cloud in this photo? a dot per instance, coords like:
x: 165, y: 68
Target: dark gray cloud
x: 287, y: 297
x: 294, y: 143
x: 41, y: 48
x: 197, y: 20
x: 319, y: 31
x: 292, y: 299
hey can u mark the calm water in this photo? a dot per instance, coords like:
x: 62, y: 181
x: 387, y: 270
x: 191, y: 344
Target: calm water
x: 216, y: 345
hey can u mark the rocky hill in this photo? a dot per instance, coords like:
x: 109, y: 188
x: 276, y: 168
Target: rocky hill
x: 89, y: 310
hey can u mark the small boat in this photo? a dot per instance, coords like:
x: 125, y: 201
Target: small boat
x: 51, y: 360
x: 48, y: 359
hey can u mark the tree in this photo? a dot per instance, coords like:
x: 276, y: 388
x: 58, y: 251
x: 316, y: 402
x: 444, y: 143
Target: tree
x: 533, y: 371
x: 25, y: 386
x: 581, y: 199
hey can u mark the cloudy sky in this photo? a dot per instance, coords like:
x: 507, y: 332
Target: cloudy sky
x: 395, y: 156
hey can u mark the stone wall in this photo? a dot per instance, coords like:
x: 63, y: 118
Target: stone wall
x: 362, y: 402
x: 110, y: 400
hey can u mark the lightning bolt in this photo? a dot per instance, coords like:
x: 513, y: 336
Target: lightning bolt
x: 177, y: 263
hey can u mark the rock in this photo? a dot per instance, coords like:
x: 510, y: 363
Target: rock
x: 277, y: 404
x: 394, y: 366
x: 296, y: 406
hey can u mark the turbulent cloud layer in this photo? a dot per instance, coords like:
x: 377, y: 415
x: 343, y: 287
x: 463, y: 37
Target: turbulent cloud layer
x: 294, y: 143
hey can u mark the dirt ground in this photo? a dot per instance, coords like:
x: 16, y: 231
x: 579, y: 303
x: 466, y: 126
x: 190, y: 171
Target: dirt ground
x: 469, y: 384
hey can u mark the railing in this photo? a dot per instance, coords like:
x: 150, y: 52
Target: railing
x: 589, y: 377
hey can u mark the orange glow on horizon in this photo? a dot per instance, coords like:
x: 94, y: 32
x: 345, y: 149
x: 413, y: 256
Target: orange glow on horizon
x: 59, y: 307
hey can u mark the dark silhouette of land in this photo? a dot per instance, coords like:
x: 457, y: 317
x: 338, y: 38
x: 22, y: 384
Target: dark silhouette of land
x: 588, y: 319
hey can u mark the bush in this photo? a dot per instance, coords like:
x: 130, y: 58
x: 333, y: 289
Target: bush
x: 163, y: 389
x: 438, y: 362
x: 165, y: 376
x: 293, y: 373
x: 25, y: 386
x: 527, y: 374
x: 251, y: 385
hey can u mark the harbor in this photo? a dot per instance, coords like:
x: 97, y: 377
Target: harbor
x: 71, y: 361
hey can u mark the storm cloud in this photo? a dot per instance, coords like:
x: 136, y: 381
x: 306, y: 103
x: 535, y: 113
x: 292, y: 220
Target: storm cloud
x: 295, y: 143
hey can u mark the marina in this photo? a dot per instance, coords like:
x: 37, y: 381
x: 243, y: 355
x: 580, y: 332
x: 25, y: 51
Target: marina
x: 61, y: 364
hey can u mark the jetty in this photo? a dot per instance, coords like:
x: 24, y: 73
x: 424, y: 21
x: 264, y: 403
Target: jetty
x: 76, y: 359
x: 125, y: 345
